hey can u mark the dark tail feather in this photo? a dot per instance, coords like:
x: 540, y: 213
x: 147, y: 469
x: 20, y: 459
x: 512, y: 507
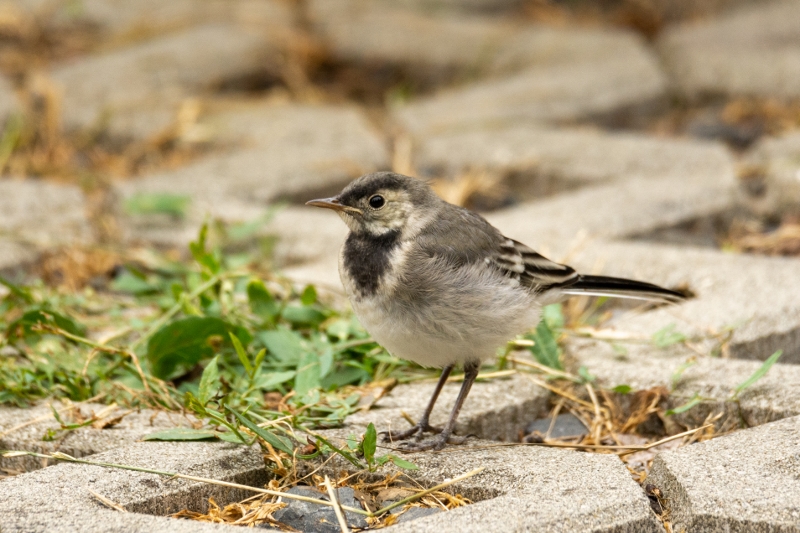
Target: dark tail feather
x: 621, y: 288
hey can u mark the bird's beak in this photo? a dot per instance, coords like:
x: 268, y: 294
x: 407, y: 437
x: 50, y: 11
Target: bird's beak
x: 332, y: 203
x: 327, y: 203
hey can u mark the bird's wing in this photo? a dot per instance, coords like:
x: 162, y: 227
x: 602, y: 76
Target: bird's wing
x: 532, y: 269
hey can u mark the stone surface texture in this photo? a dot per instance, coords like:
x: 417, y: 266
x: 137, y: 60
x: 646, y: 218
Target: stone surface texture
x: 41, y: 213
x: 137, y: 90
x: 747, y: 481
x: 777, y: 161
x: 752, y: 51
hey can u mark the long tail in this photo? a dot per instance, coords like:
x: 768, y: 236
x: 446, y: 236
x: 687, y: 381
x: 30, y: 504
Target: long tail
x: 620, y: 288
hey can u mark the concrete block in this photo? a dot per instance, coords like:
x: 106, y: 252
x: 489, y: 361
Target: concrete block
x: 713, y: 379
x: 292, y: 152
x: 58, y: 498
x: 629, y: 78
x: 135, y: 91
x: 752, y: 51
x: 42, y: 213
x: 580, y: 156
x: 777, y: 162
x: 77, y: 443
x: 747, y: 481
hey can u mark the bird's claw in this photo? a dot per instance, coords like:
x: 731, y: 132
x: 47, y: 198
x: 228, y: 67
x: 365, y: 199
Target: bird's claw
x: 415, y: 431
x: 436, y: 443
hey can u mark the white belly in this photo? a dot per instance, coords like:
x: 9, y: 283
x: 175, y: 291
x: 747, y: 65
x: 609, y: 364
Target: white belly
x: 472, y: 315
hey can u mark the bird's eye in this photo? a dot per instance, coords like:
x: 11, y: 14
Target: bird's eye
x: 377, y: 201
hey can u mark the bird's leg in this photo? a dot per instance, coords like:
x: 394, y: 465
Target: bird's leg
x: 423, y: 425
x: 446, y: 435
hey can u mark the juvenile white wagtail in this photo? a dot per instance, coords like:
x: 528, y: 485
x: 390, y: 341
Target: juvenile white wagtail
x: 436, y: 284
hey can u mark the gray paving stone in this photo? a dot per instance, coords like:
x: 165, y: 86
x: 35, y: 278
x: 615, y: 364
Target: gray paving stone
x: 498, y: 409
x: 40, y: 213
x: 579, y: 156
x: 747, y: 481
x: 753, y: 51
x: 58, y: 498
x: 378, y: 32
x: 77, y: 443
x: 14, y: 255
x: 625, y: 79
x: 136, y: 90
x: 778, y: 160
x: 773, y: 397
x: 120, y: 21
x: 286, y: 152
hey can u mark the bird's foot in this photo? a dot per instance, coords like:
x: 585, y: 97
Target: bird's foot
x: 416, y: 431
x: 436, y: 443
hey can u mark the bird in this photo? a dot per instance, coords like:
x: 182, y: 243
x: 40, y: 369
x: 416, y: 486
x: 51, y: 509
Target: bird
x: 437, y: 284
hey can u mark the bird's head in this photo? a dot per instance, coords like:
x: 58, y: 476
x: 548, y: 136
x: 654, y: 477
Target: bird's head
x: 383, y: 202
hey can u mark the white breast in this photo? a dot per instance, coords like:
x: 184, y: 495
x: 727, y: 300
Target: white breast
x: 465, y: 315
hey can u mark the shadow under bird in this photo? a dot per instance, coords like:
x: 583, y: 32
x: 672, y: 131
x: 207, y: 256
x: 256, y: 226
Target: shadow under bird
x: 437, y: 284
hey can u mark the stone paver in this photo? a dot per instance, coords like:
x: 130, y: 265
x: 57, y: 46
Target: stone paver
x: 136, y: 90
x: 378, y: 32
x: 42, y: 213
x: 77, y: 443
x: 568, y: 155
x: 59, y: 498
x: 627, y: 78
x: 754, y: 51
x: 714, y: 380
x: 747, y: 481
x: 285, y: 152
x: 778, y: 160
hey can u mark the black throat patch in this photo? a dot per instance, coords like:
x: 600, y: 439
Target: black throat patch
x: 366, y: 258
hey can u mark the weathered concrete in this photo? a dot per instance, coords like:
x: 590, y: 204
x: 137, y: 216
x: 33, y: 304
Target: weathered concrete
x: 628, y: 78
x: 747, y: 481
x: 136, y: 91
x: 79, y: 442
x: 283, y: 152
x: 498, y: 409
x: 379, y: 32
x: 578, y: 156
x: 685, y: 374
x: 42, y: 213
x: 58, y: 497
x: 13, y: 255
x: 754, y: 51
x: 776, y: 161
x: 119, y: 21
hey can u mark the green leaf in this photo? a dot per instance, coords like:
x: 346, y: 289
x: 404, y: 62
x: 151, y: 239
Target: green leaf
x: 20, y: 292
x: 23, y: 326
x: 262, y: 303
x: 370, y: 443
x: 545, y: 348
x: 303, y: 316
x: 149, y: 204
x: 201, y: 255
x: 676, y: 376
x: 622, y: 389
x: 270, y: 380
x: 130, y: 283
x: 208, y: 381
x: 285, y: 345
x: 585, y: 375
x: 177, y: 347
x: 307, y: 373
x: 758, y: 374
x: 237, y: 345
x: 402, y: 463
x: 345, y: 375
x: 696, y: 399
x: 182, y: 434
x: 309, y: 295
x: 275, y: 441
x: 667, y: 336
